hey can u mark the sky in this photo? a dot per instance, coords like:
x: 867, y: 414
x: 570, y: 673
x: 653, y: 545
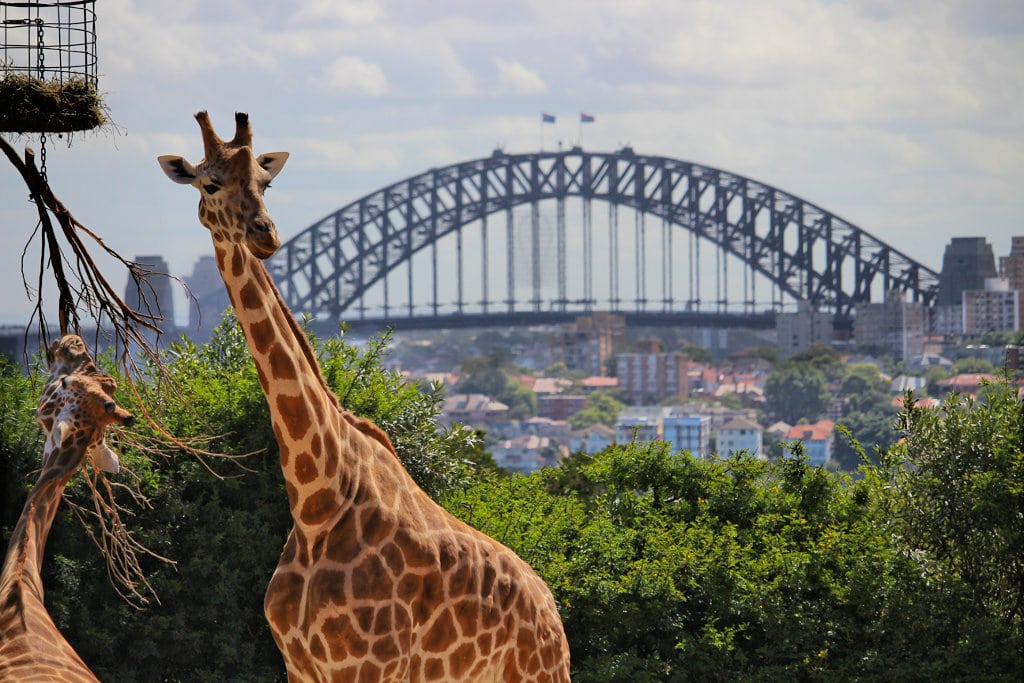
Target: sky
x: 903, y: 117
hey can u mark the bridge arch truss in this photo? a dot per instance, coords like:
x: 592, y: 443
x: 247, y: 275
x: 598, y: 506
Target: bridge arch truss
x: 698, y: 235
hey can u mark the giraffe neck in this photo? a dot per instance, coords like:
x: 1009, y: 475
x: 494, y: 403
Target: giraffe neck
x: 28, y: 542
x: 303, y: 410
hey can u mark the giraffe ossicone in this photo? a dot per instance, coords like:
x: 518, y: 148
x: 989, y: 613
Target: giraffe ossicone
x: 77, y: 408
x: 376, y: 582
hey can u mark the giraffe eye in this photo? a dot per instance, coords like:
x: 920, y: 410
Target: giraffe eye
x: 211, y: 188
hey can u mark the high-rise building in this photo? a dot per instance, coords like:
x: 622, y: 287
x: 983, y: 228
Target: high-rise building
x: 795, y: 332
x: 588, y: 344
x: 966, y: 263
x: 1012, y: 269
x: 155, y: 296
x: 897, y: 325
x: 994, y: 309
x: 651, y: 377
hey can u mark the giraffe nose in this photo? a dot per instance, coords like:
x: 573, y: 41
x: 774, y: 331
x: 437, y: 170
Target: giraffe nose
x: 263, y: 224
x: 128, y: 421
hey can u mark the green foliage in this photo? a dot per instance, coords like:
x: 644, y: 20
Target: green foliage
x: 795, y: 390
x: 875, y: 428
x: 972, y: 364
x: 601, y: 408
x: 959, y: 473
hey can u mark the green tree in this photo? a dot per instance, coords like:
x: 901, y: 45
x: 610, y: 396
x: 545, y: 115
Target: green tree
x: 601, y: 408
x: 864, y: 388
x: 972, y: 364
x: 795, y: 391
x: 958, y: 473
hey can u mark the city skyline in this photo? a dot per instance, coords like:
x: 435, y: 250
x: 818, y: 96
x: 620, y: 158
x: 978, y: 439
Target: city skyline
x: 901, y: 118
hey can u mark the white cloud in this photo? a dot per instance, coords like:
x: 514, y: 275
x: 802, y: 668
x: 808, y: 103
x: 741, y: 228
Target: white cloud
x: 344, y: 11
x: 513, y: 76
x: 353, y: 74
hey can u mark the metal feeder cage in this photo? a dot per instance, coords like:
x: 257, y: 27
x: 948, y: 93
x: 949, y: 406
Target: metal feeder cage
x: 48, y: 67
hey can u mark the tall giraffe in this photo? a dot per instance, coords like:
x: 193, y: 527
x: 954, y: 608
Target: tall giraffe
x: 376, y: 581
x: 78, y: 408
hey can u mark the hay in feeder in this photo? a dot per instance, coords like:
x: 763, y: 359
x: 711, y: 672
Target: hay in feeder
x: 34, y: 105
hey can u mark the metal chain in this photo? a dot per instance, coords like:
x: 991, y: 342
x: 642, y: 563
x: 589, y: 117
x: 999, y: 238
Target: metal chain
x: 41, y: 67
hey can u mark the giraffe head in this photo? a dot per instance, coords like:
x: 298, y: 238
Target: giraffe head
x: 75, y: 410
x: 231, y: 181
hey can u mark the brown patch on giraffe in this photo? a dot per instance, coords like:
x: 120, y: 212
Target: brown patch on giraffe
x: 262, y: 334
x: 369, y: 673
x: 526, y: 646
x: 484, y: 642
x: 318, y: 507
x: 370, y: 580
x: 237, y: 262
x: 385, y: 649
x: 249, y: 296
x: 462, y: 659
x: 282, y: 366
x: 433, y: 669
x: 282, y: 599
x: 417, y: 555
x: 364, y: 618
x: 344, y: 640
x: 383, y: 623
x: 316, y: 648
x: 291, y: 408
x: 462, y: 581
x: 314, y: 402
x: 441, y: 633
x: 328, y: 586
x: 370, y: 429
x: 343, y: 545
x: 431, y: 595
x: 305, y: 468
x: 392, y: 555
x: 467, y: 616
x: 299, y: 657
x: 374, y: 526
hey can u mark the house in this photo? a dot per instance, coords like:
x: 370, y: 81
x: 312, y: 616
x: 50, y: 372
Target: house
x: 966, y: 383
x: 817, y: 438
x: 527, y: 453
x: 472, y: 409
x: 593, y: 439
x: 740, y: 435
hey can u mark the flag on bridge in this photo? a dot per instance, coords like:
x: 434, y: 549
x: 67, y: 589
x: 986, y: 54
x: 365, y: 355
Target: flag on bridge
x: 547, y: 118
x: 586, y: 118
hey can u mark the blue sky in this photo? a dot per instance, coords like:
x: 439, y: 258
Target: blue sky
x: 903, y: 117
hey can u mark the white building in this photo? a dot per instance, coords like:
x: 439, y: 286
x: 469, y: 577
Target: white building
x: 740, y: 435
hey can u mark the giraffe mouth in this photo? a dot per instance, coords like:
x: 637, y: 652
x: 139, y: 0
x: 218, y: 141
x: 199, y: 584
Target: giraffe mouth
x: 263, y: 243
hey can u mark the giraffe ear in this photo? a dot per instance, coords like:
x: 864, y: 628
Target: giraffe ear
x: 105, y: 459
x: 177, y: 169
x: 272, y: 162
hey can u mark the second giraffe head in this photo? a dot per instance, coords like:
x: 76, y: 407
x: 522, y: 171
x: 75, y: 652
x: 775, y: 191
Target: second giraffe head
x: 231, y: 181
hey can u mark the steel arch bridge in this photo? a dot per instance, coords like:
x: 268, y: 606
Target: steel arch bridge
x: 409, y: 253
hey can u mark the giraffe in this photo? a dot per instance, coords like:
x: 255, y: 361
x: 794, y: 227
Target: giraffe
x: 78, y: 407
x: 376, y: 581
x: 70, y: 355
